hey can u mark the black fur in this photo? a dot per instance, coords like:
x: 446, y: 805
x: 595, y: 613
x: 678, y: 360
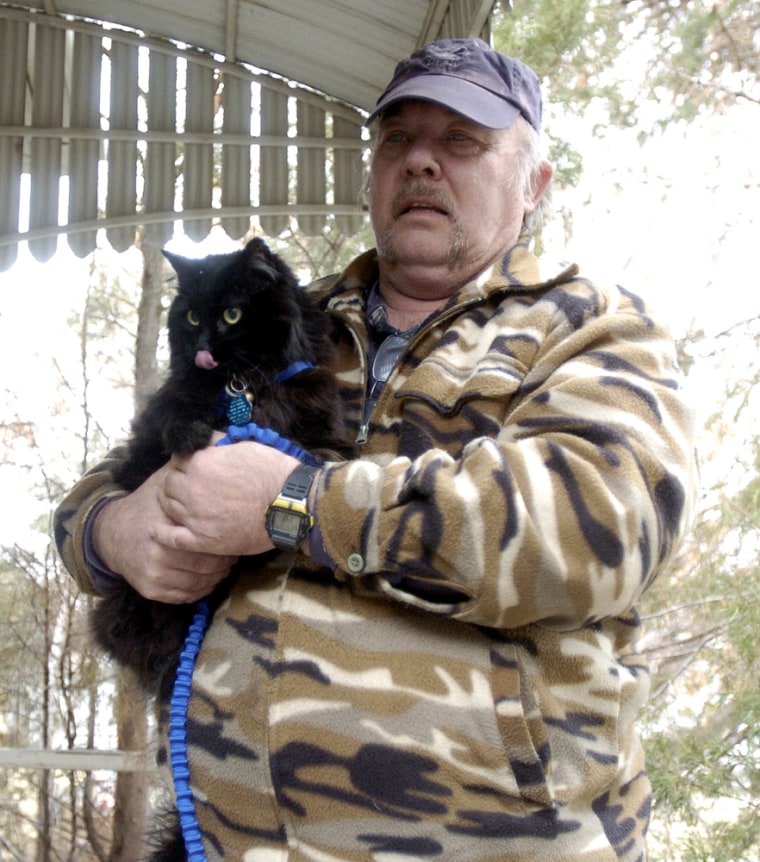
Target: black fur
x: 166, y: 843
x: 209, y: 347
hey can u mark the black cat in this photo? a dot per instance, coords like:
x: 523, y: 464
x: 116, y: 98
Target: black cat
x: 246, y: 345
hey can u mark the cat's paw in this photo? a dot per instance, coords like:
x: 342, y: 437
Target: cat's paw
x: 186, y: 438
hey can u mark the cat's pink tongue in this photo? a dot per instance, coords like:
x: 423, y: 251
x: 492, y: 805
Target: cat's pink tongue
x: 204, y: 359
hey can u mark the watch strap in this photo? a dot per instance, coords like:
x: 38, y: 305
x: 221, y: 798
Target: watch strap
x: 299, y: 482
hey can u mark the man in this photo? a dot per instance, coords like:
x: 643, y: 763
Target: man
x: 452, y: 674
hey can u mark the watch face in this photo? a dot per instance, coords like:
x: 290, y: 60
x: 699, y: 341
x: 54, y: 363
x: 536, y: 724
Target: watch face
x: 285, y: 522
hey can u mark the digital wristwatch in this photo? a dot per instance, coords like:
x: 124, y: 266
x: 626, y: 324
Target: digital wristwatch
x: 288, y: 519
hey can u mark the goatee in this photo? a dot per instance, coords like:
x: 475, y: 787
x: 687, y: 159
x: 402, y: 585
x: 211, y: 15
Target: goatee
x: 386, y: 249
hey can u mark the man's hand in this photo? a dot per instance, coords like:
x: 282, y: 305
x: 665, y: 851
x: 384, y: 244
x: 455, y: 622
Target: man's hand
x: 127, y: 538
x: 214, y: 501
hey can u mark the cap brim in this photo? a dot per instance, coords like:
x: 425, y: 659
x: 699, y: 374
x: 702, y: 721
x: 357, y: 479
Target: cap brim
x: 470, y: 100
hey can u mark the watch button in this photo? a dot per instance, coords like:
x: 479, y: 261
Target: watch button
x: 355, y: 563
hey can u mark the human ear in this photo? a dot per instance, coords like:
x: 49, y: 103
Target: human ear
x: 538, y: 186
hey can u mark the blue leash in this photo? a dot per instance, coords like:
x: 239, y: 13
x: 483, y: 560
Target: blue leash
x: 251, y: 431
x: 191, y: 830
x: 180, y: 700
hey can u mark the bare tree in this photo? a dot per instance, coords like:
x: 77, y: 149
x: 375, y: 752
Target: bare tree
x: 132, y: 705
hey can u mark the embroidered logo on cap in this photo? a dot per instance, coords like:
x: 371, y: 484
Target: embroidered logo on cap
x: 441, y: 58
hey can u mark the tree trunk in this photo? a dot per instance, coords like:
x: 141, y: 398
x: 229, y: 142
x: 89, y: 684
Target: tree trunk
x: 88, y: 801
x: 131, y: 702
x: 131, y: 787
x: 148, y: 324
x: 44, y: 793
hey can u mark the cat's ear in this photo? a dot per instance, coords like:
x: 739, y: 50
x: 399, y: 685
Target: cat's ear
x: 256, y: 247
x: 258, y: 256
x: 181, y: 265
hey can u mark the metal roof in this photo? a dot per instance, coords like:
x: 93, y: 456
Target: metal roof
x: 158, y: 110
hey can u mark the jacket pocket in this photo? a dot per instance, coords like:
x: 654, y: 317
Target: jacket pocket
x: 521, y: 726
x: 577, y: 701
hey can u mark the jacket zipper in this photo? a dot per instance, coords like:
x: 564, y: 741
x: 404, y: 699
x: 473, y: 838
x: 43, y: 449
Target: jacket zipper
x: 361, y: 437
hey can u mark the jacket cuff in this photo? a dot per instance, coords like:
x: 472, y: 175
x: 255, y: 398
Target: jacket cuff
x: 104, y: 581
x: 83, y: 574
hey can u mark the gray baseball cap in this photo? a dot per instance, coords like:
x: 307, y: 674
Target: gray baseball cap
x: 470, y: 77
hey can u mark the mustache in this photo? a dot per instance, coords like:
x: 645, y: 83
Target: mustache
x: 418, y: 188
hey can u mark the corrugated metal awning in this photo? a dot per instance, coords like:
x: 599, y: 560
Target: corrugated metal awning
x: 103, y: 127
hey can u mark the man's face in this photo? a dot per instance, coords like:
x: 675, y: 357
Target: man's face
x: 443, y: 190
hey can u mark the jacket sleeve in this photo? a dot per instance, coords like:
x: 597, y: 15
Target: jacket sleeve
x: 562, y: 516
x: 70, y: 519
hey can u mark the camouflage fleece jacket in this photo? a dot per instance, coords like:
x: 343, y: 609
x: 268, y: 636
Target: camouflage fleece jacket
x: 464, y: 686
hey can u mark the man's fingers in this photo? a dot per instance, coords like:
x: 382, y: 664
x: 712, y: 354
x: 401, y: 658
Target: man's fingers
x: 177, y: 577
x: 169, y: 494
x: 174, y: 537
x: 182, y: 594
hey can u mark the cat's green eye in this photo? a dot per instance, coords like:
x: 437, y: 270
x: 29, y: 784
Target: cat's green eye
x: 192, y: 318
x: 232, y: 315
